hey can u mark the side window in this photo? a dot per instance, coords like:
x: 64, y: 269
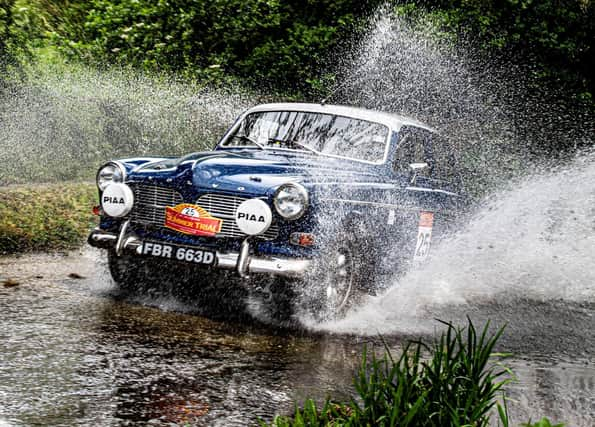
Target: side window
x: 421, y: 146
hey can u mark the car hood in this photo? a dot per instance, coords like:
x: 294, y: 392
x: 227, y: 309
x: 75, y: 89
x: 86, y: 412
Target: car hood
x: 257, y: 171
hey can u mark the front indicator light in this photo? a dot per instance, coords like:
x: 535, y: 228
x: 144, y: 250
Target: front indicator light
x: 302, y: 239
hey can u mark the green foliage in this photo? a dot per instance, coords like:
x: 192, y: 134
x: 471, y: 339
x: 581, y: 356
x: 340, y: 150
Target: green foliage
x: 285, y: 44
x: 457, y: 386
x: 331, y: 414
x: 45, y: 217
x: 6, y: 21
x: 21, y: 28
x: 266, y: 41
x: 554, y: 38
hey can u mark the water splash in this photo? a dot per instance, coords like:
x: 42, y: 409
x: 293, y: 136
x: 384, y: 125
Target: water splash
x: 491, y: 110
x: 534, y: 237
x: 534, y: 241
x: 62, y: 123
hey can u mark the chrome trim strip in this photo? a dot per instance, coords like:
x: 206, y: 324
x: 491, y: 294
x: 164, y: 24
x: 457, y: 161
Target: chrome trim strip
x: 430, y: 190
x: 280, y: 266
x: 375, y: 204
x: 100, y: 237
x: 388, y: 205
x: 366, y: 185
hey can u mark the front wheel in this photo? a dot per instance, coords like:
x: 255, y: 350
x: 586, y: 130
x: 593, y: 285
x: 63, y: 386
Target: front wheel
x: 271, y: 299
x: 138, y: 275
x: 338, y: 280
x: 125, y: 270
x: 337, y: 283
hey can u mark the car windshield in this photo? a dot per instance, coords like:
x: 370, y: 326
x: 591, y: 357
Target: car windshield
x: 316, y: 133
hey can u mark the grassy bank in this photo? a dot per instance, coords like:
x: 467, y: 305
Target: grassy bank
x: 45, y: 216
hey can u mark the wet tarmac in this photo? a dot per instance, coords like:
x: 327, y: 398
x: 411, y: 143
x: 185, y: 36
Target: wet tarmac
x: 73, y: 351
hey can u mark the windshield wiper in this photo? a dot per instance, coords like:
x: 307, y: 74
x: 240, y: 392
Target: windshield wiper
x: 252, y: 140
x: 306, y: 147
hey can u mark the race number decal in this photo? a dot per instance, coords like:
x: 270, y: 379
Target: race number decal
x: 424, y: 236
x: 192, y: 219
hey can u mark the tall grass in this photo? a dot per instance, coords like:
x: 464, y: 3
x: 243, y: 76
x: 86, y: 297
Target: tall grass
x: 455, y: 381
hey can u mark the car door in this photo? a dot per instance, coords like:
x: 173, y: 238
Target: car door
x: 423, y: 192
x: 425, y: 160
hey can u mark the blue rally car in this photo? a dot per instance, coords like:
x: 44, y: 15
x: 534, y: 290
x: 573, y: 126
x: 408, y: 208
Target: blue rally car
x: 319, y: 200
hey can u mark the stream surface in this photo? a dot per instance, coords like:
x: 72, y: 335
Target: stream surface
x: 74, y: 352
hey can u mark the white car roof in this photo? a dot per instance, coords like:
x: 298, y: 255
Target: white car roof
x: 394, y: 121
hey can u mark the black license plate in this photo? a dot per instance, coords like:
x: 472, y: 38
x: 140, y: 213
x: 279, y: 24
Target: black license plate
x: 178, y: 253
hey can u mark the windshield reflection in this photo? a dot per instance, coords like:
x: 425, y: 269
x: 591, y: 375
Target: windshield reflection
x: 317, y: 133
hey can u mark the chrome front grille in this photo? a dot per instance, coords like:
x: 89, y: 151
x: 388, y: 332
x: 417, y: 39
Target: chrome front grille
x: 150, y: 202
x: 224, y: 206
x: 220, y: 205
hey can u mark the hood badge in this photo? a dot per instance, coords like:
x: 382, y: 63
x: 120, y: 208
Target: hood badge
x: 241, y: 188
x: 215, y: 185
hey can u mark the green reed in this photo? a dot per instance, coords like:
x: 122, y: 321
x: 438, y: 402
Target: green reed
x: 454, y: 381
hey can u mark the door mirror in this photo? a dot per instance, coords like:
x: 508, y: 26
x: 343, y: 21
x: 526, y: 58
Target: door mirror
x: 415, y: 169
x: 418, y: 167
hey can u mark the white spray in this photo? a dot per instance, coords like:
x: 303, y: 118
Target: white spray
x: 535, y: 241
x: 534, y: 236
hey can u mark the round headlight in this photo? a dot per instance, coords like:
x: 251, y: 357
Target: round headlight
x: 108, y: 173
x: 291, y: 201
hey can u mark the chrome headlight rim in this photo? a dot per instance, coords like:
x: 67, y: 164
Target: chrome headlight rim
x: 116, y: 164
x: 303, y: 193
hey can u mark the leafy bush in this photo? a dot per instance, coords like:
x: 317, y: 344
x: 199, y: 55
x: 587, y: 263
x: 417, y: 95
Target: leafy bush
x: 6, y: 22
x: 285, y: 44
x: 281, y: 43
x: 457, y: 385
x: 553, y: 38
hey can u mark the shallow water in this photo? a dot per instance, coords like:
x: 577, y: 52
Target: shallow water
x: 74, y: 352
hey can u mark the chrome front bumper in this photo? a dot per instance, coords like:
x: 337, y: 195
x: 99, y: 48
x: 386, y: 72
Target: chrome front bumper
x: 242, y: 261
